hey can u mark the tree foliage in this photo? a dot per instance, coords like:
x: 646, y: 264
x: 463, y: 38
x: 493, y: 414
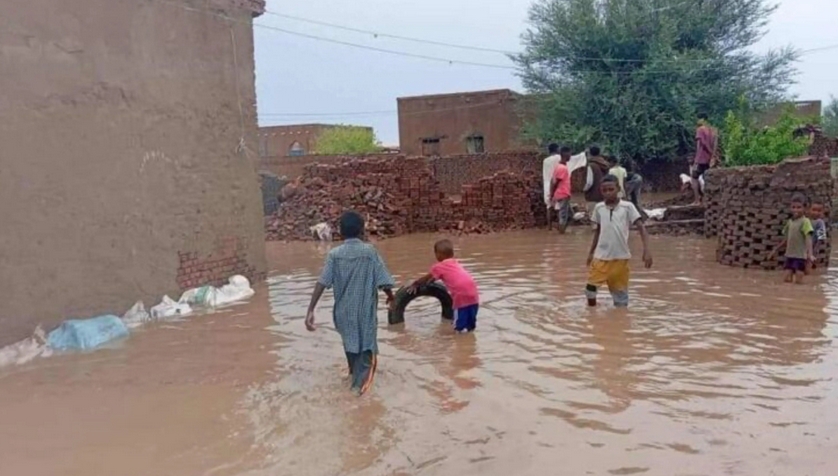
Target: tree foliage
x: 829, y: 122
x: 633, y: 74
x: 745, y: 144
x: 347, y: 140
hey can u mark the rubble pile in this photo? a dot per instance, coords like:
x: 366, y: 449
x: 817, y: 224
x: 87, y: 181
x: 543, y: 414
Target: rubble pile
x: 401, y: 195
x: 748, y: 207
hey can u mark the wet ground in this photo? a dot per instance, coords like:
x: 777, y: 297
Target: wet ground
x: 713, y: 371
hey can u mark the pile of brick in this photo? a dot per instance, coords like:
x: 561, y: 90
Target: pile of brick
x: 748, y: 207
x: 399, y: 196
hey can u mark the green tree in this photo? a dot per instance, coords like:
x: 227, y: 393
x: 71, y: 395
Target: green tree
x: 829, y: 122
x: 347, y: 140
x: 633, y: 74
x: 745, y: 144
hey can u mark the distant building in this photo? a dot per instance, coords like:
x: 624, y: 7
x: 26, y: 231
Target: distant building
x: 294, y: 140
x: 802, y: 109
x: 461, y: 123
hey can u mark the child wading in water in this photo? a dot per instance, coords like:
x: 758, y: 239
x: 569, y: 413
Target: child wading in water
x: 610, y: 255
x: 797, y: 240
x: 356, y: 272
x: 820, y: 233
x: 459, y: 282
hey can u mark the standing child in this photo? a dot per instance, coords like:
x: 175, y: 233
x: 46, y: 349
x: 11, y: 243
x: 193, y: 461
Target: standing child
x: 820, y: 232
x: 610, y: 255
x: 797, y: 240
x: 620, y: 172
x: 356, y: 272
x: 460, y: 284
x: 560, y: 190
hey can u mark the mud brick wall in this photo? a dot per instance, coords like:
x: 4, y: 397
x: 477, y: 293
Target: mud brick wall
x: 455, y: 171
x: 228, y: 258
x: 824, y: 147
x: 748, y: 207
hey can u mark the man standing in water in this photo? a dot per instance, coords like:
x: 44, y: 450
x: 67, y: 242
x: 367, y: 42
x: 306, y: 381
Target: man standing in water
x: 706, y: 141
x: 548, y: 168
x: 356, y: 272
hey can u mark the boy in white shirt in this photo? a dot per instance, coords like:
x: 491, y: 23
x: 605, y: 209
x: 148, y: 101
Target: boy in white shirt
x: 609, y: 257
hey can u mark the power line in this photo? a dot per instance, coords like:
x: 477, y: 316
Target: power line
x: 378, y: 34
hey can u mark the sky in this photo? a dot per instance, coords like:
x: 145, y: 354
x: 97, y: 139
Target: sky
x: 302, y: 80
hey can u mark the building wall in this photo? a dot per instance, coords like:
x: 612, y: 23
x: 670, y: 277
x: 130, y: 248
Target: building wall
x: 452, y: 118
x: 277, y: 141
x: 121, y: 176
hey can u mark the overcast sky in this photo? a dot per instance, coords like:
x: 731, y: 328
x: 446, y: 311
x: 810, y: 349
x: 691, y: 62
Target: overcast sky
x: 301, y: 80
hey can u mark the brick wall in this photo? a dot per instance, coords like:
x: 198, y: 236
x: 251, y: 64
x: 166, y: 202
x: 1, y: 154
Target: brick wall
x: 455, y: 171
x: 227, y: 258
x: 824, y: 147
x: 748, y: 207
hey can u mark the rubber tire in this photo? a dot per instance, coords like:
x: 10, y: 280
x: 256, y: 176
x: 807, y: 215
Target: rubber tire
x: 403, y: 298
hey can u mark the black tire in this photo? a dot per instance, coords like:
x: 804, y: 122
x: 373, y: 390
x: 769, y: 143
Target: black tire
x: 403, y: 298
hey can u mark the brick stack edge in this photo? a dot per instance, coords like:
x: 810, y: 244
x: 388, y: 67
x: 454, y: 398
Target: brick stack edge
x: 401, y: 195
x: 748, y: 207
x: 228, y: 258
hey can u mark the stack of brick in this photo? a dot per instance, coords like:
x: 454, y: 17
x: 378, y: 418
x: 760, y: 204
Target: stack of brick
x: 748, y: 207
x: 503, y: 201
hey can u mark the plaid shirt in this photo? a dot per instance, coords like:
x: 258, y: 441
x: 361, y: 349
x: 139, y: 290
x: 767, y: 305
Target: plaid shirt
x: 356, y: 272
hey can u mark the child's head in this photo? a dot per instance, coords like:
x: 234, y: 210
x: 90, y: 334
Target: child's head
x: 612, y: 160
x: 351, y: 225
x: 565, y: 153
x: 798, y: 205
x: 444, y: 249
x: 702, y: 119
x: 595, y: 151
x: 817, y: 209
x: 610, y: 188
x: 553, y: 148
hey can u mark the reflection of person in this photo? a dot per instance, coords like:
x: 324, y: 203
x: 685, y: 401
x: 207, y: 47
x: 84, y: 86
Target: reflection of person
x: 356, y: 272
x: 610, y: 255
x: 706, y: 142
x: 459, y: 283
x: 560, y: 190
x: 797, y: 241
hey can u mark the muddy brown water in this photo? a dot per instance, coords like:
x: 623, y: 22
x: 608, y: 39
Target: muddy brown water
x: 712, y: 371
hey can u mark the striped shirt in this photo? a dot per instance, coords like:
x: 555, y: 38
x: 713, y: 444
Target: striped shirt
x: 356, y: 272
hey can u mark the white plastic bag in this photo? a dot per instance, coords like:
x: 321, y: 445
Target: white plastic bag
x: 136, y: 316
x: 238, y: 289
x: 169, y: 308
x: 322, y: 231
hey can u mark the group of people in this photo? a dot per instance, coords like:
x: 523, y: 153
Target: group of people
x: 803, y: 236
x: 557, y: 170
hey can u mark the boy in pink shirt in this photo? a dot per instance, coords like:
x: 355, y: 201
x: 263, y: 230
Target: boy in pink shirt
x: 459, y: 283
x: 560, y: 190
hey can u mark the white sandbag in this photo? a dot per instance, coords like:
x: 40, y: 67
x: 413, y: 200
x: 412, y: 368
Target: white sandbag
x: 170, y: 308
x: 26, y: 350
x: 656, y: 213
x: 136, y: 316
x: 237, y: 289
x: 203, y: 296
x: 685, y: 179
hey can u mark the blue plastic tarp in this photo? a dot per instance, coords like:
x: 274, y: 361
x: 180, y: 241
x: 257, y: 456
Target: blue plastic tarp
x: 87, y: 334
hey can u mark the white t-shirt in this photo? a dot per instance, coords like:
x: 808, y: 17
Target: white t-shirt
x: 614, y: 226
x: 549, y: 167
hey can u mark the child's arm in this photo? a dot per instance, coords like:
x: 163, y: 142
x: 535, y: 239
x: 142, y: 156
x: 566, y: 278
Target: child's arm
x: 777, y: 249
x: 594, y: 244
x: 554, y: 185
x: 644, y: 238
x: 810, y: 247
x: 426, y: 279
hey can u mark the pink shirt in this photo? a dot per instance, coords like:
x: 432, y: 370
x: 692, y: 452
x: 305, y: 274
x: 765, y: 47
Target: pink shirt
x: 706, y: 138
x: 460, y: 284
x: 562, y: 174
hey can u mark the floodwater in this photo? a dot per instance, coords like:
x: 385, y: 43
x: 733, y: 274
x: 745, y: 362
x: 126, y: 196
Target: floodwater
x: 712, y: 371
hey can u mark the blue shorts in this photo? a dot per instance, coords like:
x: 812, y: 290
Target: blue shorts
x: 466, y: 318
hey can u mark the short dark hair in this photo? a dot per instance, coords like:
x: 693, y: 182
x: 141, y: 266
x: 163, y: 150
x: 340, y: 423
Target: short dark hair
x: 703, y: 116
x: 613, y: 160
x: 444, y: 248
x: 566, y: 150
x: 351, y: 225
x: 595, y: 150
x: 799, y: 198
x: 817, y: 201
x: 553, y: 148
x: 610, y: 179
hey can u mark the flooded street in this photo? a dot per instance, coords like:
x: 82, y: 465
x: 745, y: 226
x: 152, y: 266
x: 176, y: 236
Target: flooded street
x: 712, y: 371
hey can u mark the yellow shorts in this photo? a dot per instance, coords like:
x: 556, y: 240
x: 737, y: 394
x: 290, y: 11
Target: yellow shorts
x: 613, y: 273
